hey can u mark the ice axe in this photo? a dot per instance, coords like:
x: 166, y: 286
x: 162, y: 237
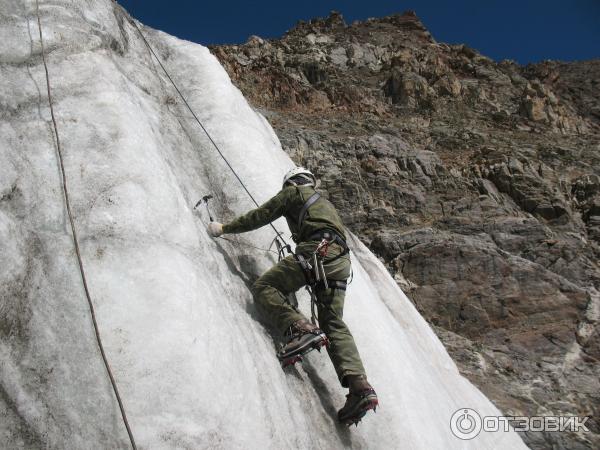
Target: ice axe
x: 205, y: 199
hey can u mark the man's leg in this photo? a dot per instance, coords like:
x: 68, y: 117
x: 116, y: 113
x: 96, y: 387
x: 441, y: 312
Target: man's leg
x: 270, y: 292
x: 342, y: 349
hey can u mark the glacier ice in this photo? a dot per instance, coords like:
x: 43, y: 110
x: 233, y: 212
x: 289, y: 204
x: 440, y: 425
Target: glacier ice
x: 194, y: 364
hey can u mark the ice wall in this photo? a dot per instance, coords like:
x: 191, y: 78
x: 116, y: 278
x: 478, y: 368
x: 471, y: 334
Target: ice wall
x: 194, y: 364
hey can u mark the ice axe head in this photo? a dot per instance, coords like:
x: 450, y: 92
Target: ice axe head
x: 205, y: 199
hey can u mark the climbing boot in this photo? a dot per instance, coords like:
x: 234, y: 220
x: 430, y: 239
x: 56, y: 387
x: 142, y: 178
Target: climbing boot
x: 361, y: 398
x: 302, y: 337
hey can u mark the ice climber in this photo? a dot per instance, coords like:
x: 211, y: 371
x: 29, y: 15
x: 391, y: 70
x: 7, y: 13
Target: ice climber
x: 321, y: 260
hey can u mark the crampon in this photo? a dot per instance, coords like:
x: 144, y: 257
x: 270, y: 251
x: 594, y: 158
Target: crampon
x: 300, y: 345
x: 358, y: 403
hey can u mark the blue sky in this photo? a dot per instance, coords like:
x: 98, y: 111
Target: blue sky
x: 525, y: 30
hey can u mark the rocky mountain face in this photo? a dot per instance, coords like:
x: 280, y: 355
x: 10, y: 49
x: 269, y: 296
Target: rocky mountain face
x: 476, y: 182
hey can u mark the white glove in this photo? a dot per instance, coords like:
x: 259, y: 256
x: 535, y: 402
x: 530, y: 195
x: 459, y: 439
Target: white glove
x: 215, y: 229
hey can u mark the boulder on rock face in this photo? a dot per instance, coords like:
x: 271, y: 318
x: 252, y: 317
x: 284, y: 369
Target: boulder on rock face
x: 448, y: 85
x: 534, y: 108
x: 338, y: 56
x: 528, y: 189
x: 540, y: 104
x: 408, y: 89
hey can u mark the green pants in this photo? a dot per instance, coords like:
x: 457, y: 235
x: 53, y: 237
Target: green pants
x: 270, y: 292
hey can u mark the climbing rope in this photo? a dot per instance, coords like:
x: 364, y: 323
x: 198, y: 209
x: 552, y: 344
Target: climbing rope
x: 132, y: 21
x: 74, y: 235
x: 268, y: 250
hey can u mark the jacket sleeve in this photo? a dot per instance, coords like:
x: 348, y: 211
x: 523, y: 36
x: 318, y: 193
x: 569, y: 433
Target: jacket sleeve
x: 268, y: 212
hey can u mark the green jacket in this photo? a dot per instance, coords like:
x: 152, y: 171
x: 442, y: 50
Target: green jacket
x: 288, y: 203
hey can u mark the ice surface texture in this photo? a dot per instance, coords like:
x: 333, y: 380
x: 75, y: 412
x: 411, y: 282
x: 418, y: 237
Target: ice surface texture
x: 195, y: 366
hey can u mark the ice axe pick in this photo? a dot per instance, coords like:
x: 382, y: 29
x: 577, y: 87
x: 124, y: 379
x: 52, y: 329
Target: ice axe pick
x: 205, y: 199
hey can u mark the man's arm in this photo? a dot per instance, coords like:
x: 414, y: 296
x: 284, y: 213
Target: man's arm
x: 268, y: 212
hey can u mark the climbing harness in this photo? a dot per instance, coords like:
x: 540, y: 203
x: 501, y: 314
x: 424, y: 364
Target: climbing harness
x: 75, y: 240
x: 283, y: 242
x: 313, y: 267
x: 315, y: 275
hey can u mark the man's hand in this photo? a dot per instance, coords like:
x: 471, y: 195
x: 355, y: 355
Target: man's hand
x: 215, y: 229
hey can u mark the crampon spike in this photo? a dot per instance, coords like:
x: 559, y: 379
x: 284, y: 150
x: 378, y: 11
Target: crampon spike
x: 356, y: 419
x: 322, y: 343
x: 291, y: 361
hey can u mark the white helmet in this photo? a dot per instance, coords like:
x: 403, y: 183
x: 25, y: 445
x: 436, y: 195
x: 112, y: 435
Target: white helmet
x: 299, y: 172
